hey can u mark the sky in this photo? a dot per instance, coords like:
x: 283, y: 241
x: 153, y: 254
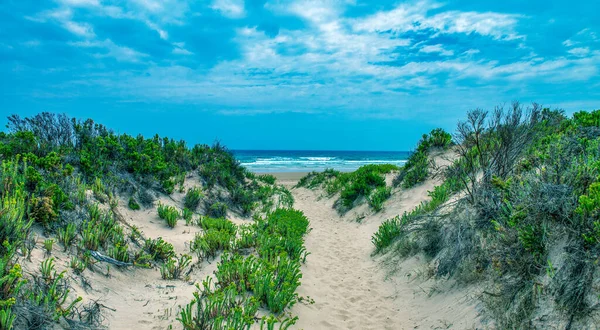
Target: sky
x: 295, y: 74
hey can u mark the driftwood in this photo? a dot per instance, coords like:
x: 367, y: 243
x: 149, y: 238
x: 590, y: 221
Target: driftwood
x: 100, y: 257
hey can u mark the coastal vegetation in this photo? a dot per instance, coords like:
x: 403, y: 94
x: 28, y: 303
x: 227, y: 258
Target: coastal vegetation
x: 69, y: 180
x: 517, y: 212
x: 366, y: 184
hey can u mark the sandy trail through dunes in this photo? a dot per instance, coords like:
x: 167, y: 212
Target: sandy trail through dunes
x: 348, y: 285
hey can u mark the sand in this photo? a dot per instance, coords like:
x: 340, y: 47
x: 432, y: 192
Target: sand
x: 350, y: 288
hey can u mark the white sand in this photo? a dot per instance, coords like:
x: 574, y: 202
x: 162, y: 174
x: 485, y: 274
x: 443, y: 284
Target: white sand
x: 349, y: 287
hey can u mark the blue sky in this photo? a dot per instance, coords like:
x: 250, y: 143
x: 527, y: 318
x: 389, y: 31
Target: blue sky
x: 295, y: 74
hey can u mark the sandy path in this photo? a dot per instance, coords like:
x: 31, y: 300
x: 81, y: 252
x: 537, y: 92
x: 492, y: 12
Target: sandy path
x: 348, y: 290
x: 349, y: 287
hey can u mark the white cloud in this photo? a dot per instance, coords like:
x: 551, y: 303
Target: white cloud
x: 120, y: 53
x: 80, y: 3
x: 80, y: 29
x: 230, y: 8
x: 579, y: 51
x: 436, y: 49
x: 414, y: 16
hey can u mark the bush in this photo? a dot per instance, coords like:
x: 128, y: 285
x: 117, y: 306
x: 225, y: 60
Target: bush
x: 388, y: 231
x: 378, y: 197
x: 159, y: 249
x: 172, y: 269
x: 42, y: 210
x: 267, y: 178
x: 169, y: 214
x: 217, y: 210
x: 133, y: 205
x: 192, y: 199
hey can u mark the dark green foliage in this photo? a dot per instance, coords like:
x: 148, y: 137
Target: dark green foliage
x: 267, y: 178
x: 133, y: 205
x: 192, y: 199
x: 415, y: 171
x: 217, y: 210
x: 437, y: 138
x: 159, y: 249
x: 378, y: 197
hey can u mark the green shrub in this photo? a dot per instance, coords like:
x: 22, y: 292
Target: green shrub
x: 42, y: 210
x: 217, y: 210
x: 159, y: 249
x: 207, y: 245
x: 169, y: 214
x: 133, y: 205
x: 378, y: 197
x: 208, y: 223
x: 174, y: 267
x: 267, y: 178
x: 192, y: 198
x: 388, y: 231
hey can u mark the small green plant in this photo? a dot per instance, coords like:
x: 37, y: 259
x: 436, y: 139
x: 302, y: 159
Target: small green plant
x: 169, y: 214
x: 159, y: 249
x: 378, y: 197
x: 48, y: 244
x: 66, y: 235
x: 192, y: 198
x: 187, y: 215
x: 133, y: 205
x: 217, y: 210
x: 119, y: 252
x: 174, y: 267
x: 77, y: 265
x: 388, y: 231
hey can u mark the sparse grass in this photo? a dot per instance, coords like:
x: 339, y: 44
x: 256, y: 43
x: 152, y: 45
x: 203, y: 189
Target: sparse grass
x: 272, y: 277
x: 67, y: 235
x: 174, y: 267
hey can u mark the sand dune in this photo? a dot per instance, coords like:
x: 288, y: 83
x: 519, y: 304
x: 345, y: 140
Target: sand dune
x: 343, y: 286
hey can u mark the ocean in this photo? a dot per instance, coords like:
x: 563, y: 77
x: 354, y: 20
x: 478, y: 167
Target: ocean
x: 261, y: 161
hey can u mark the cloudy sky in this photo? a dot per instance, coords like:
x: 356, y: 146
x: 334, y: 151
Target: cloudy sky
x: 295, y: 74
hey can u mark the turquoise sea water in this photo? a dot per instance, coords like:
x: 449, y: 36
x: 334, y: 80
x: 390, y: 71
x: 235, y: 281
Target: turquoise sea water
x: 261, y: 161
